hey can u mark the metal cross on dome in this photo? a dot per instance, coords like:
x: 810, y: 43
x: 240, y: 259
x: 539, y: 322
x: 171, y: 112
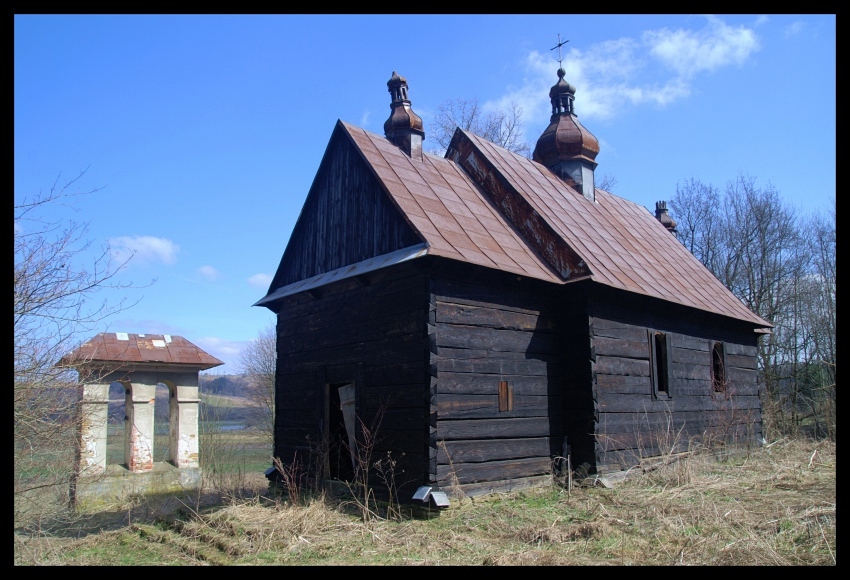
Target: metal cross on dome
x: 558, y: 46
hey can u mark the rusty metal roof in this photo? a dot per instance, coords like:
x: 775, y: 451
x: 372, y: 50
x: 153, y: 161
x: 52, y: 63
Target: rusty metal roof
x: 555, y: 233
x: 448, y: 210
x: 624, y: 245
x: 122, y: 347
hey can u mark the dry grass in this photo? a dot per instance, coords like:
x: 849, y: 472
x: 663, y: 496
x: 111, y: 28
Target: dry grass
x: 774, y: 506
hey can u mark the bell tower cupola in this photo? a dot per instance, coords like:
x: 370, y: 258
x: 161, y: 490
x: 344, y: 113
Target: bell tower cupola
x: 404, y: 127
x: 566, y: 147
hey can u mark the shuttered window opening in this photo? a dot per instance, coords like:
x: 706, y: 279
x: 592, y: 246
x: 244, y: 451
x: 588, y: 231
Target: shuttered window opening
x: 660, y: 352
x: 506, y: 396
x: 718, y: 368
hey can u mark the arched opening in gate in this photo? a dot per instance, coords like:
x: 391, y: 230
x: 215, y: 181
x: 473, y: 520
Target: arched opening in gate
x: 162, y: 423
x: 116, y: 422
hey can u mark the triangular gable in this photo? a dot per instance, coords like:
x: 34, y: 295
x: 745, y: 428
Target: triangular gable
x: 623, y: 245
x: 524, y: 216
x: 347, y: 218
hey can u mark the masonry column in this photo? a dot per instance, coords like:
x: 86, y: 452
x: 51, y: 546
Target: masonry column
x: 94, y: 413
x: 184, y: 420
x: 139, y: 429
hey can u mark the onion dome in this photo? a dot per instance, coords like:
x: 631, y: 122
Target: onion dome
x: 402, y: 121
x: 566, y: 147
x: 565, y: 138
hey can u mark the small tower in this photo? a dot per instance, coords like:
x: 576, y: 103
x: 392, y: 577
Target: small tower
x: 665, y: 219
x: 404, y: 127
x: 566, y: 147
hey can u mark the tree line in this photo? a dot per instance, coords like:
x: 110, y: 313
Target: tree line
x: 780, y: 262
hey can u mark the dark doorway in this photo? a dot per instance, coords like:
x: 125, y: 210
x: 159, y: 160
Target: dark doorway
x: 340, y: 464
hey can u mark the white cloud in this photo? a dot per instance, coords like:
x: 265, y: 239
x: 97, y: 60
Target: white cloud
x: 143, y: 249
x: 209, y: 273
x: 364, y: 119
x: 260, y: 281
x: 794, y: 29
x: 762, y: 19
x: 226, y: 351
x: 690, y: 52
x: 624, y: 71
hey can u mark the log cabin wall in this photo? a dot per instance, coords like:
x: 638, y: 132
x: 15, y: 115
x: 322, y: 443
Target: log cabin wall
x: 633, y: 419
x: 371, y: 331
x: 578, y: 405
x: 498, y: 394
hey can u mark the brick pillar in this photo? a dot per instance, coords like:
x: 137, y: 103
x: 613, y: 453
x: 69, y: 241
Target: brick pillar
x: 94, y: 411
x: 139, y: 429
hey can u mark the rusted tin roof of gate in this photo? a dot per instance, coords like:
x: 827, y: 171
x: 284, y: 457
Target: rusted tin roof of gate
x: 553, y: 233
x: 123, y: 347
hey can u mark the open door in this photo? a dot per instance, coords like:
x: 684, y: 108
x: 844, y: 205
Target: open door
x: 342, y: 444
x: 346, y: 403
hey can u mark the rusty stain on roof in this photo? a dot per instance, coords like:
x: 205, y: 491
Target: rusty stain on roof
x: 141, y: 348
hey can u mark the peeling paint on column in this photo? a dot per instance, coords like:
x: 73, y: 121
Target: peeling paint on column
x: 187, y: 451
x: 141, y: 452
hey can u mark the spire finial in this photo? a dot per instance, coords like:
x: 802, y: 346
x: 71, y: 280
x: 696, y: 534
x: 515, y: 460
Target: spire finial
x: 558, y: 46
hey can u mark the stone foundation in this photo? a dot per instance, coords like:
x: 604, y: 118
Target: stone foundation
x: 118, y: 484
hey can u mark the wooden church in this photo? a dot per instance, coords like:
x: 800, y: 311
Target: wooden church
x: 480, y: 316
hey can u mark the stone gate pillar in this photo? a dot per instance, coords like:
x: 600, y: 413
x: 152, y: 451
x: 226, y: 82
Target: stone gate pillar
x: 94, y: 409
x: 139, y: 428
x: 183, y: 420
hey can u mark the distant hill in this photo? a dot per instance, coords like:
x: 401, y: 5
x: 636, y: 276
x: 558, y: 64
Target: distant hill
x: 231, y: 385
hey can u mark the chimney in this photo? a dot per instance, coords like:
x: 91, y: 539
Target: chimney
x: 662, y: 216
x: 566, y: 147
x: 404, y: 127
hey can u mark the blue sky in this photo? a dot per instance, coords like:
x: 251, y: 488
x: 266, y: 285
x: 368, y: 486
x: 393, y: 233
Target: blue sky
x: 203, y: 133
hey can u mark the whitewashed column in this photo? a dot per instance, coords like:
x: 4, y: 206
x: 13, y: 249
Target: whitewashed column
x: 139, y: 429
x: 184, y: 426
x: 94, y: 414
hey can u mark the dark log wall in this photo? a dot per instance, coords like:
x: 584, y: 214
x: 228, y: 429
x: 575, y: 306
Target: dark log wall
x: 631, y: 422
x: 371, y: 331
x: 491, y: 327
x: 347, y: 218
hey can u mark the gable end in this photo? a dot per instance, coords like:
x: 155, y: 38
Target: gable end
x: 347, y: 218
x: 539, y: 234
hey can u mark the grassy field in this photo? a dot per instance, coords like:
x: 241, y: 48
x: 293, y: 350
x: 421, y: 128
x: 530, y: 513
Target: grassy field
x: 771, y: 506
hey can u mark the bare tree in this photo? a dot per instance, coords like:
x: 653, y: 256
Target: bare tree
x: 782, y: 267
x: 503, y: 127
x: 54, y: 303
x: 698, y: 214
x: 606, y: 182
x: 258, y: 361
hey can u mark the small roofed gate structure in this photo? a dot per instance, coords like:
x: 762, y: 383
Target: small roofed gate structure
x: 495, y: 313
x: 139, y: 362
